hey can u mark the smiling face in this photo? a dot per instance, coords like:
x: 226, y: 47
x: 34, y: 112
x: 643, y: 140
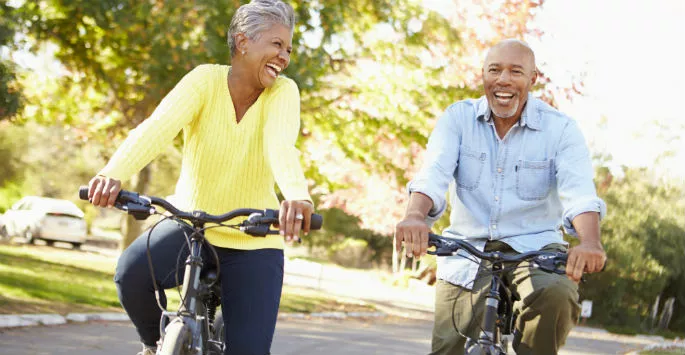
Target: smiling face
x: 508, y: 75
x: 268, y: 54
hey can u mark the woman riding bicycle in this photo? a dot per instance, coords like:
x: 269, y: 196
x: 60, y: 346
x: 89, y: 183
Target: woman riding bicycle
x: 239, y: 124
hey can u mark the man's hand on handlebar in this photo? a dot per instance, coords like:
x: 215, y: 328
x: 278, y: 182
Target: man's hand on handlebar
x: 103, y: 191
x: 585, y: 257
x: 293, y: 216
x: 413, y: 231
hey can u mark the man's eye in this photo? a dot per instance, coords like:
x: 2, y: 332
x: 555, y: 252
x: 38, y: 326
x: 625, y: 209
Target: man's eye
x: 493, y: 70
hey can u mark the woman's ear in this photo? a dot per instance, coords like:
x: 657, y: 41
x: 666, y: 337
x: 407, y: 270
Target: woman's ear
x: 241, y: 42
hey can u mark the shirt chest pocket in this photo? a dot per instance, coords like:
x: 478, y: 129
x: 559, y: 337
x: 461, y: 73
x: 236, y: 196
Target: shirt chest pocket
x: 534, y: 179
x: 469, y: 168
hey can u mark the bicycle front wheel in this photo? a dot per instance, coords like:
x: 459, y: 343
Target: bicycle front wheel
x: 176, y: 340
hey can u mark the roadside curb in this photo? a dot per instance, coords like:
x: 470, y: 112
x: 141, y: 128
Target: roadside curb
x: 665, y: 345
x: 31, y: 320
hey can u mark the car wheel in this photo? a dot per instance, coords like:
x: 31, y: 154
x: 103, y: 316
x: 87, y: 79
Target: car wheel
x: 28, y: 236
x: 50, y: 243
x: 76, y: 246
x: 3, y: 233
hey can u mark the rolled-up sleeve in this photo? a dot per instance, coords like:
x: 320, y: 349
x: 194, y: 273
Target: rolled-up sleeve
x: 574, y: 176
x: 440, y: 161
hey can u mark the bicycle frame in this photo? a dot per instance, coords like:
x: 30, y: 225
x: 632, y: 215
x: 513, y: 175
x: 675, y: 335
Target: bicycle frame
x: 497, y: 321
x: 493, y: 321
x: 190, y: 330
x: 192, y: 311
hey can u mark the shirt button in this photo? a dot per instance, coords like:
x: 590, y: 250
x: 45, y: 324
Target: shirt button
x: 499, y: 170
x: 496, y: 198
x: 494, y: 226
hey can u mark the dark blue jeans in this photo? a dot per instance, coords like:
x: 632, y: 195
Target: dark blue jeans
x: 251, y: 283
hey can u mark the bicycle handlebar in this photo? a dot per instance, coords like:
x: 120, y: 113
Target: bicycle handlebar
x: 141, y: 207
x: 548, y: 261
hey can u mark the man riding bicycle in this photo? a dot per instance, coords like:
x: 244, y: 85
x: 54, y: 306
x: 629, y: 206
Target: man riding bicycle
x: 239, y: 125
x: 517, y: 170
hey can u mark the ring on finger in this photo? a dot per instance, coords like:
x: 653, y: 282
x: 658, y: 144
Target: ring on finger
x: 299, y: 216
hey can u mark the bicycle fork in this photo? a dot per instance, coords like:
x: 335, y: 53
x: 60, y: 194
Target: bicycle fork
x: 190, y: 313
x: 488, y: 341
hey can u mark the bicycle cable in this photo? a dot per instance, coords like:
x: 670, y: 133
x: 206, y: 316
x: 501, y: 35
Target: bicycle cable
x: 204, y: 241
x: 150, y: 265
x: 480, y: 275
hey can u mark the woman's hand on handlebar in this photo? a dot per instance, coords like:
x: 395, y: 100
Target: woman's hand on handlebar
x: 413, y: 231
x: 103, y: 191
x: 293, y: 216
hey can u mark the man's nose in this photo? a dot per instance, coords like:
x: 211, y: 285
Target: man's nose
x: 504, y: 77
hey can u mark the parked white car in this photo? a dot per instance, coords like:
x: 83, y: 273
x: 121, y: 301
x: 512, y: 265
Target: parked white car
x: 45, y: 218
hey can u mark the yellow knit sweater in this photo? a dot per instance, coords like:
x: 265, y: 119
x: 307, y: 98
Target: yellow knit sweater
x: 226, y: 165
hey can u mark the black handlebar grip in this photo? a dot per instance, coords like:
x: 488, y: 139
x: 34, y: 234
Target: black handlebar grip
x: 316, y: 222
x: 83, y: 192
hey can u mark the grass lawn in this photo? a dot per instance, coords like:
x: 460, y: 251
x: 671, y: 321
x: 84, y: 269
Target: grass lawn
x: 41, y: 279
x: 663, y: 352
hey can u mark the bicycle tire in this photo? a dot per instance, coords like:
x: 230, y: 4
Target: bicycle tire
x: 176, y: 340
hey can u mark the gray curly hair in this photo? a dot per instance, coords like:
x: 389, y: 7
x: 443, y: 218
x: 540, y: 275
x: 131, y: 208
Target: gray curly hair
x: 259, y: 15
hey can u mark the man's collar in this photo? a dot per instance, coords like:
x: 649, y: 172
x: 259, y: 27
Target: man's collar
x: 529, y: 117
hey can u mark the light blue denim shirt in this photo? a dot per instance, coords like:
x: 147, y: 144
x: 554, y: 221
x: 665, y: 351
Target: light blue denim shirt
x: 521, y: 189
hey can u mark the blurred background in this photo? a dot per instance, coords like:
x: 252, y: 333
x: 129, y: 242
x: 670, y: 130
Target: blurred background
x: 77, y: 75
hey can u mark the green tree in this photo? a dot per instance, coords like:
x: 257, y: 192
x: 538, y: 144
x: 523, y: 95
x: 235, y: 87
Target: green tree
x: 10, y: 92
x: 134, y: 52
x: 644, y: 237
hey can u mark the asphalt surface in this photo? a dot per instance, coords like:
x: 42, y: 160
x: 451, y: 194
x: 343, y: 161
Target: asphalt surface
x: 302, y: 337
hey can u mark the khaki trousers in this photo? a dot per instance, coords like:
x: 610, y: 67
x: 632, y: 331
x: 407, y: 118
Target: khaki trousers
x: 547, y: 308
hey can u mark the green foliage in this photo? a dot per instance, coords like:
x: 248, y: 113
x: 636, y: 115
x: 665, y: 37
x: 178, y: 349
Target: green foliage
x: 10, y: 91
x: 134, y: 52
x: 644, y: 237
x: 13, y: 153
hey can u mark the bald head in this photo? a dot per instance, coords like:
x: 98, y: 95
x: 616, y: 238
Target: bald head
x: 508, y: 76
x: 512, y: 48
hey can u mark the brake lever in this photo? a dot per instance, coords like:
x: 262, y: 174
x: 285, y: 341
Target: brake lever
x: 551, y: 263
x: 442, y: 247
x: 259, y: 224
x: 138, y: 211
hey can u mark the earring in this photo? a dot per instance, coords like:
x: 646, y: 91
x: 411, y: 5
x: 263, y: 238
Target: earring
x: 243, y: 52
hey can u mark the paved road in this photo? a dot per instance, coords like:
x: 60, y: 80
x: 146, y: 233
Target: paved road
x: 301, y: 337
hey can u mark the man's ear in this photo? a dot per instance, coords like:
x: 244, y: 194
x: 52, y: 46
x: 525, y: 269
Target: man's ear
x: 534, y: 79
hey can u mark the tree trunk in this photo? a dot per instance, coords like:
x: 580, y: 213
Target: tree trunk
x: 133, y: 228
x: 653, y: 315
x: 395, y: 266
x: 666, y: 313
